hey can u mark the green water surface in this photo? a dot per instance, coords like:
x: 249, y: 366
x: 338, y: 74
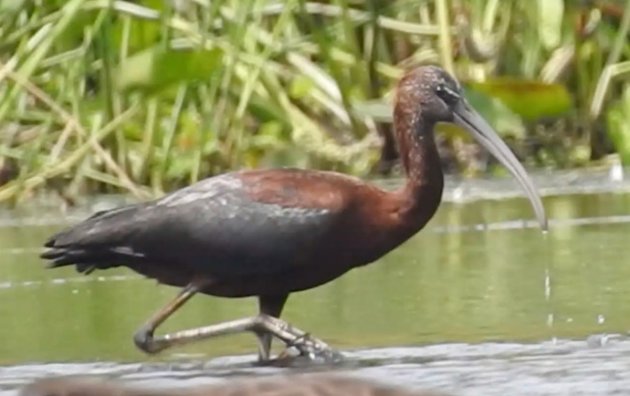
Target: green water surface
x: 450, y: 283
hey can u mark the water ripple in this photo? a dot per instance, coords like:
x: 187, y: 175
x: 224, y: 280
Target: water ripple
x: 576, y: 367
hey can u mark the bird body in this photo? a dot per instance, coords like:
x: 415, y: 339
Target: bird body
x: 269, y: 233
x: 248, y: 233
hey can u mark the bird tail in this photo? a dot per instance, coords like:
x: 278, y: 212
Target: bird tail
x: 84, y: 261
x: 90, y: 244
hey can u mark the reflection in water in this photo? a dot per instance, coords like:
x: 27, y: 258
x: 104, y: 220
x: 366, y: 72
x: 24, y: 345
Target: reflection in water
x: 298, y: 385
x: 548, y: 296
x: 478, y: 273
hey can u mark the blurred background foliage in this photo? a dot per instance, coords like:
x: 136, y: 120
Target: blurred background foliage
x: 145, y: 96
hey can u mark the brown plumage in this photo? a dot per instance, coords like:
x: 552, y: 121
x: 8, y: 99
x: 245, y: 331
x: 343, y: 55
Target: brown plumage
x: 268, y: 233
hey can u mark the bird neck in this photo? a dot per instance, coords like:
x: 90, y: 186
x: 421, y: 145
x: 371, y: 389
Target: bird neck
x: 422, y: 193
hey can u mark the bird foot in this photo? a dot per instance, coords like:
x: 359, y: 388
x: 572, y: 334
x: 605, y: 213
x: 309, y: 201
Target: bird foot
x: 311, y: 348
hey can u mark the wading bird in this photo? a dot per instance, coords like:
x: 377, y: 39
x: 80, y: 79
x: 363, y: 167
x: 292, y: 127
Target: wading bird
x: 268, y: 233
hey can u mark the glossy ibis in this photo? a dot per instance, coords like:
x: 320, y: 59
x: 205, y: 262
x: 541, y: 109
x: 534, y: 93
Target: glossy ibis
x: 268, y: 233
x: 295, y: 385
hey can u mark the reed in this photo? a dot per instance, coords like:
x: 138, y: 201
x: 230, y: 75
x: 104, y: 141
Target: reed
x: 143, y: 97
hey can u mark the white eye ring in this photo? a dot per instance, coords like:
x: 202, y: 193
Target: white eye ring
x: 447, y: 94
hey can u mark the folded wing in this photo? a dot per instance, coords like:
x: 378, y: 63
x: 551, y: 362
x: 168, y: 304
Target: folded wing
x: 215, y: 226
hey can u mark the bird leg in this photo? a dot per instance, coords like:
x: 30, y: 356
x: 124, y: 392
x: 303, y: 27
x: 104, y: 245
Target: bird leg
x: 261, y: 324
x: 264, y: 346
x: 143, y: 338
x: 272, y: 306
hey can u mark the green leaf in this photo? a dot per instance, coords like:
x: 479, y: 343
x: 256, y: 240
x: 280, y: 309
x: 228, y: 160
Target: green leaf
x: 549, y: 22
x: 531, y: 100
x: 11, y: 6
x: 142, y: 34
x: 618, y: 123
x: 378, y: 109
x: 300, y: 87
x: 155, y: 69
x: 502, y: 119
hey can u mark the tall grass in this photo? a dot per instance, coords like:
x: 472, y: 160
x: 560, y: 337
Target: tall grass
x: 144, y: 96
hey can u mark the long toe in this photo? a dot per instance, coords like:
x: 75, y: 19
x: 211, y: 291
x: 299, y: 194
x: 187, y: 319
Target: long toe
x: 316, y: 350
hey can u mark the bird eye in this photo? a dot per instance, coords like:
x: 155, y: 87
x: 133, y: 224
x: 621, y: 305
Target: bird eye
x: 447, y: 94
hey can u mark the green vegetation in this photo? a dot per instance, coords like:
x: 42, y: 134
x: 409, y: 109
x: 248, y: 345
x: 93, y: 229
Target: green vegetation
x: 145, y: 96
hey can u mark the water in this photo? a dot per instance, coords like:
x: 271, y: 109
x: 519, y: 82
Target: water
x: 480, y: 302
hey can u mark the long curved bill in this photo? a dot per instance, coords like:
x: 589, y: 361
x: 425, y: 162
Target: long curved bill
x: 468, y: 118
